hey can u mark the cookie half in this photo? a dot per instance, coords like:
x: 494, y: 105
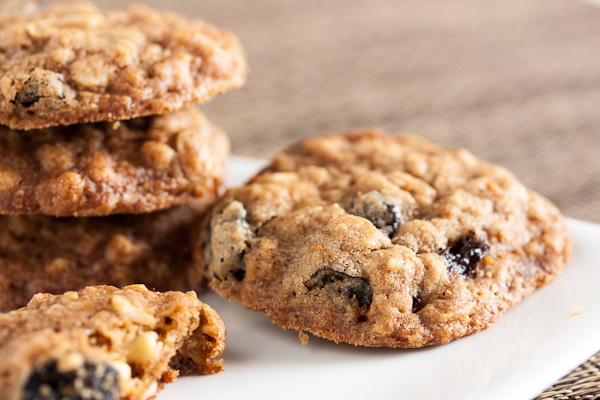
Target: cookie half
x: 380, y: 240
x: 137, y: 166
x: 70, y: 63
x: 40, y: 254
x: 106, y: 343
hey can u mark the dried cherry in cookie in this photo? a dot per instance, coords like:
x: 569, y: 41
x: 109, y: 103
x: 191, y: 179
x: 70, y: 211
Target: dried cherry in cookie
x: 380, y: 240
x: 465, y: 254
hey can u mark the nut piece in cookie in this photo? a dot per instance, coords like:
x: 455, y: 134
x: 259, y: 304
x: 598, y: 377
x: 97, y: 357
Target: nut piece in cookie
x: 70, y: 63
x: 380, y: 240
x: 137, y: 166
x: 106, y: 343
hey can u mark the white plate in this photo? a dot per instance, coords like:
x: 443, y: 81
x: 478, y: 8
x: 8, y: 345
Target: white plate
x: 530, y: 347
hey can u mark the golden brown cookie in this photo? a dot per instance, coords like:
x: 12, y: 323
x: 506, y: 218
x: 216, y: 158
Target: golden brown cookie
x: 70, y: 62
x: 105, y: 343
x: 380, y: 240
x: 40, y: 254
x: 137, y: 166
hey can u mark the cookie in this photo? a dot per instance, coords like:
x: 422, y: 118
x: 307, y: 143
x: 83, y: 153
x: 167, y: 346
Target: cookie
x: 105, y: 343
x: 70, y: 63
x: 137, y: 166
x: 40, y: 254
x: 380, y: 240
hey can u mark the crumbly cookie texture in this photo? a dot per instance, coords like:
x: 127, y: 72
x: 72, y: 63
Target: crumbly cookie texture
x: 105, y: 343
x: 380, y: 240
x: 137, y: 166
x: 70, y: 63
x: 40, y: 254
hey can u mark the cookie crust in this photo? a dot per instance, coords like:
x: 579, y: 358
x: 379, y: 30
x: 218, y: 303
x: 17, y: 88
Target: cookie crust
x: 106, y: 343
x: 40, y: 254
x: 137, y: 166
x: 71, y: 62
x: 380, y: 240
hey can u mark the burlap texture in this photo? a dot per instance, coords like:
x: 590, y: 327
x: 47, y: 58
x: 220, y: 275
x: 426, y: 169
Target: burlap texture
x: 515, y: 81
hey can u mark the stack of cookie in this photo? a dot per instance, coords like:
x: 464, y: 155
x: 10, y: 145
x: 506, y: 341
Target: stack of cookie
x: 103, y: 166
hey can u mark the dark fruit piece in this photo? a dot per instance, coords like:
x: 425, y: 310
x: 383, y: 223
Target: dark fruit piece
x: 28, y: 95
x: 89, y: 382
x: 31, y: 92
x: 380, y: 210
x: 239, y: 274
x: 417, y: 304
x: 463, y: 256
x: 352, y: 287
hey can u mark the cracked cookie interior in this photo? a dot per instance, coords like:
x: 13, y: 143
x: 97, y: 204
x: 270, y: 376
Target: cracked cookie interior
x: 106, y: 343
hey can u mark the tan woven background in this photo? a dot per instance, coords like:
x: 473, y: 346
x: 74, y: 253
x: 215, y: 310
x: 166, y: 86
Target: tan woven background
x: 515, y: 81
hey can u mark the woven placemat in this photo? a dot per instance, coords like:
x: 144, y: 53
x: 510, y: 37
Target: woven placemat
x: 516, y: 82
x: 582, y: 383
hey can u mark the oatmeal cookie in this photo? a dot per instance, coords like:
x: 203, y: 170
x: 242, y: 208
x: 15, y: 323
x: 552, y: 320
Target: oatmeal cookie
x: 137, y: 166
x: 380, y: 240
x: 106, y: 343
x: 40, y: 254
x: 70, y: 63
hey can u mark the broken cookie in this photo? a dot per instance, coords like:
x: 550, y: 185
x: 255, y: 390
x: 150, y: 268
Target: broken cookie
x: 105, y: 343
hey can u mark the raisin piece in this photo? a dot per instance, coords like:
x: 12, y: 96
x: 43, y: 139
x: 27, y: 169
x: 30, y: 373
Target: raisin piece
x: 463, y: 256
x: 352, y: 287
x: 91, y: 381
x: 28, y: 95
x: 382, y: 211
x: 239, y: 274
x: 417, y: 304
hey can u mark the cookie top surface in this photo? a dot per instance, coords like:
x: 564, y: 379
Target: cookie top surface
x: 40, y: 254
x: 382, y: 240
x: 71, y: 62
x: 123, y: 343
x: 136, y: 166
